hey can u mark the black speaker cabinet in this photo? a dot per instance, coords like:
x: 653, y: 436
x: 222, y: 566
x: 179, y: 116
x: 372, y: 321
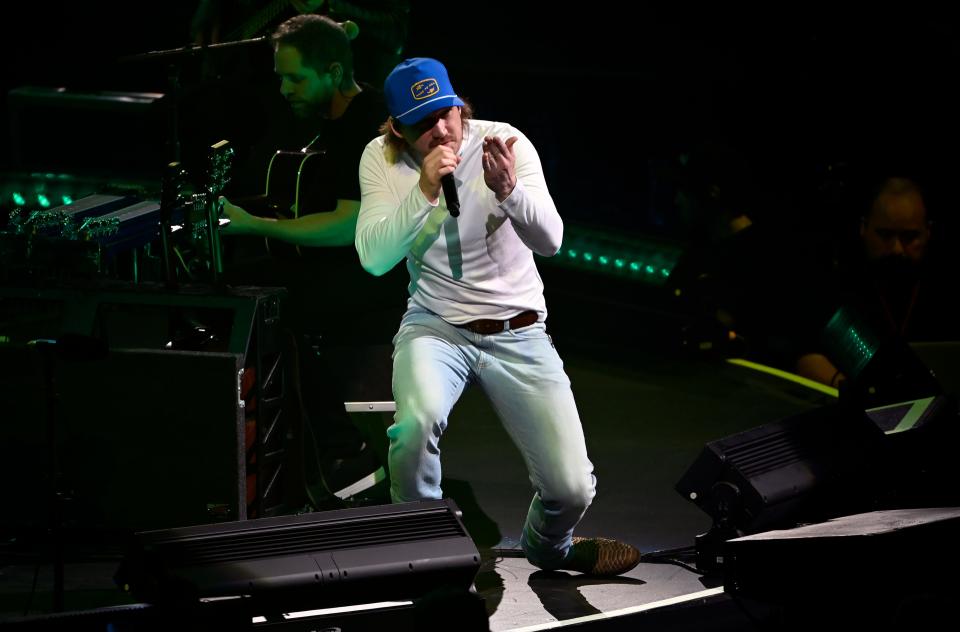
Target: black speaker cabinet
x: 142, y: 437
x: 805, y: 467
x: 339, y: 557
x: 178, y: 421
x: 880, y: 570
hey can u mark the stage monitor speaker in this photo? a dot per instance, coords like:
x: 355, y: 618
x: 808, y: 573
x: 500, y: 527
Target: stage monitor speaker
x: 805, y: 467
x: 357, y: 555
x: 878, y: 567
x: 921, y: 439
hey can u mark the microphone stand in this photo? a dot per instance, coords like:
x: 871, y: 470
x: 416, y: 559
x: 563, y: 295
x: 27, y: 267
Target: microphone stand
x: 79, y: 348
x: 56, y: 497
x: 176, y: 56
x: 191, y: 50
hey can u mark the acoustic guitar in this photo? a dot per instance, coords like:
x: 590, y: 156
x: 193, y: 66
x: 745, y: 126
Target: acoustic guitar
x: 298, y: 183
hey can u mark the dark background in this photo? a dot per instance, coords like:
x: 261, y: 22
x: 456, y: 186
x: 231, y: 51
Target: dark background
x: 608, y: 93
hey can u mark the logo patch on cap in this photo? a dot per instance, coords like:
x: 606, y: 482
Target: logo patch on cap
x: 424, y: 89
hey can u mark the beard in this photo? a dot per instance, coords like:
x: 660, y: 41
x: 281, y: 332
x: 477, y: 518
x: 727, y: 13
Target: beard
x: 304, y: 110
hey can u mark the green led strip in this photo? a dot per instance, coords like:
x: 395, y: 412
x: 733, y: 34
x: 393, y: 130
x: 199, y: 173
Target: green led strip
x: 649, y: 262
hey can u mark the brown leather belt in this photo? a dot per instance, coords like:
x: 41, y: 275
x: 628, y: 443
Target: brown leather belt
x: 488, y: 326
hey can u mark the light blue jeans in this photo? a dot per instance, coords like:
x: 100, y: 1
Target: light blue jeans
x: 523, y: 377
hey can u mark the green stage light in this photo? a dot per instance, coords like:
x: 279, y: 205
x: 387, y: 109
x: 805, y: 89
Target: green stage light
x: 66, y: 199
x: 43, y: 200
x: 649, y: 261
x: 18, y: 198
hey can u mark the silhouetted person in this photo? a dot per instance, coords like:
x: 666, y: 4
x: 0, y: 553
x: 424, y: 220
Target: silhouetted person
x: 890, y: 287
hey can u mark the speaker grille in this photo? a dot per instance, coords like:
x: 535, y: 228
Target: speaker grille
x: 278, y: 541
x: 767, y: 453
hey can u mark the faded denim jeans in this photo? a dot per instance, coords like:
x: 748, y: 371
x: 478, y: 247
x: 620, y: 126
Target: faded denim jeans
x: 523, y: 376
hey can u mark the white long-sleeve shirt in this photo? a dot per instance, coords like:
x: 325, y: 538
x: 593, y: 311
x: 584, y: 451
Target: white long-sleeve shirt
x: 478, y: 265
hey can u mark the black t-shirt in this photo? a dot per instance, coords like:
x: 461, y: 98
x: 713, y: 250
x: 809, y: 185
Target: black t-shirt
x: 329, y: 292
x: 343, y: 139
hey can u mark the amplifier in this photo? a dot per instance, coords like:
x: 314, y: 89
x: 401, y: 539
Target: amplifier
x: 183, y: 421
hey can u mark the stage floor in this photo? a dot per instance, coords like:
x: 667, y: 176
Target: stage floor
x: 646, y: 417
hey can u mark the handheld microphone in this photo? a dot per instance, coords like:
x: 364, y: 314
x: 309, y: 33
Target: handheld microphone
x: 450, y: 193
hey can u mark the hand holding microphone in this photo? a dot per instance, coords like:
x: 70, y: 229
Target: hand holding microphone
x: 436, y: 174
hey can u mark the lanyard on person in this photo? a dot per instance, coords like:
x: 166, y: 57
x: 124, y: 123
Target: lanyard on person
x: 900, y: 328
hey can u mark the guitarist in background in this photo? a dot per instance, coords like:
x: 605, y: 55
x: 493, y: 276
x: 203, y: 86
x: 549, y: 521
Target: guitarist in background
x: 341, y: 322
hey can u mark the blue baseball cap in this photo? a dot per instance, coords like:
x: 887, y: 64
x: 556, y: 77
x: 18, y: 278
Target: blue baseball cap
x: 417, y: 87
